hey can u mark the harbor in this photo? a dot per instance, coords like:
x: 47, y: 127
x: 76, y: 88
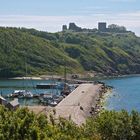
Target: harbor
x: 32, y: 92
x: 73, y: 101
x: 82, y: 103
x: 26, y: 91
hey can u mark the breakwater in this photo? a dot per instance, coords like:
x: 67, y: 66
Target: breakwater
x: 83, y: 102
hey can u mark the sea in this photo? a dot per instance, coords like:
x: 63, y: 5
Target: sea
x: 10, y: 85
x: 124, y: 95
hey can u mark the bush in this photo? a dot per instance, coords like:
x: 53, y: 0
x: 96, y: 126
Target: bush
x: 109, y: 125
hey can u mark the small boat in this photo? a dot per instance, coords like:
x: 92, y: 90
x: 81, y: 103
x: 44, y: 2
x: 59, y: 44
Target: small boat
x: 45, y: 98
x: 58, y: 98
x: 46, y: 86
x: 49, y: 99
x: 36, y: 95
x: 55, y: 85
x: 52, y: 103
x: 16, y: 94
x: 20, y: 94
x: 27, y: 94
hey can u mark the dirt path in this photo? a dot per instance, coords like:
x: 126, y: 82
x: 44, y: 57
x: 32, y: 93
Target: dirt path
x: 40, y: 109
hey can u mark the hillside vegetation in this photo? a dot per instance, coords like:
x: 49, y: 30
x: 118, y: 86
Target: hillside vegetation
x: 21, y: 52
x: 41, y: 53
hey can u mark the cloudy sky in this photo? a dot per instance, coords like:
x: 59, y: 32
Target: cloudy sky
x: 49, y: 15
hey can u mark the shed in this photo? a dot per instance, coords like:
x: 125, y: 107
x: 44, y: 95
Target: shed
x: 13, y: 104
x: 3, y: 101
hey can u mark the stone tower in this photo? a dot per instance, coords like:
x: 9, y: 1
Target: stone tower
x: 64, y: 27
x: 102, y: 26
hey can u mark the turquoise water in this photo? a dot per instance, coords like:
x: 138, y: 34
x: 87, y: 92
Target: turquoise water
x: 8, y: 86
x: 125, y: 95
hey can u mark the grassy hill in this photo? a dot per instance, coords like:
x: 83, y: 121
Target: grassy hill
x: 20, y: 51
x: 41, y: 52
x: 108, y: 54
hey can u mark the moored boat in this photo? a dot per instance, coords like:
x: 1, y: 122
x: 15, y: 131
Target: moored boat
x: 20, y: 94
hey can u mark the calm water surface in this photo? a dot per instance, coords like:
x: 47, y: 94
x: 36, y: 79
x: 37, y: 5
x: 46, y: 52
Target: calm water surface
x: 125, y: 95
x: 8, y: 86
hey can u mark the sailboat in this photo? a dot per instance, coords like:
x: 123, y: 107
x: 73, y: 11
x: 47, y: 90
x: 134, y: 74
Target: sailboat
x: 49, y: 98
x: 66, y: 89
x: 22, y: 93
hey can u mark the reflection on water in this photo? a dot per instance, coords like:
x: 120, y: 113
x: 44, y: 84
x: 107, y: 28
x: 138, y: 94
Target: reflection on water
x: 8, y: 87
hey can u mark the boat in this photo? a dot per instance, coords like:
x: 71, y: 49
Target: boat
x: 36, y: 95
x: 49, y: 99
x: 52, y: 103
x: 56, y: 85
x: 20, y: 94
x: 44, y: 98
x: 23, y: 93
x: 58, y: 98
x: 16, y: 94
x: 46, y: 85
x: 27, y: 94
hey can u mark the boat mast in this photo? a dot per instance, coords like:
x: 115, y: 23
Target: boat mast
x: 25, y: 73
x: 52, y: 85
x: 25, y: 66
x: 65, y: 76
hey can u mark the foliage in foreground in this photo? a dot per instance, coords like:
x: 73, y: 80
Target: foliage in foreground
x: 110, y: 125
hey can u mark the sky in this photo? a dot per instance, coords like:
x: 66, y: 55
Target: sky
x: 50, y: 15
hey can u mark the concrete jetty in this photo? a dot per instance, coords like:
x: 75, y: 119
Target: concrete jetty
x: 77, y: 105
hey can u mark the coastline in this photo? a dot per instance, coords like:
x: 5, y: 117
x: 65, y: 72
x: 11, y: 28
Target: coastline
x: 104, y: 99
x: 56, y: 77
x: 82, y: 103
x: 79, y: 110
x: 113, y: 77
x: 85, y: 101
